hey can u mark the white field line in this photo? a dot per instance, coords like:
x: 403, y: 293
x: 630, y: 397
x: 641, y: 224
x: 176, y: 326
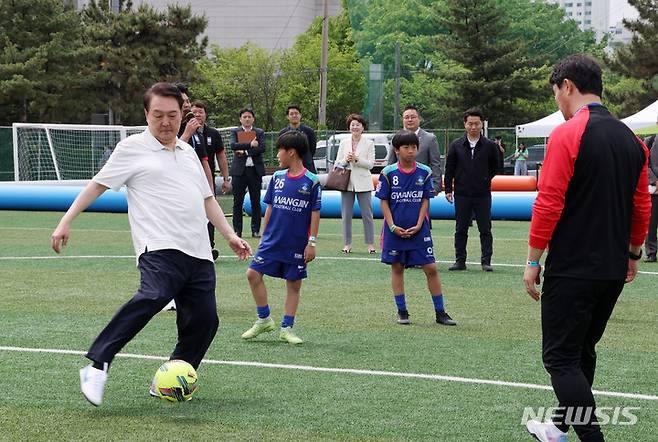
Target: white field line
x: 432, y: 377
x: 355, y: 235
x: 322, y: 258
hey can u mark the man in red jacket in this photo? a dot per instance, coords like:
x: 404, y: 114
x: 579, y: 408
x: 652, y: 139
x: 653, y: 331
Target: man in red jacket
x: 592, y: 209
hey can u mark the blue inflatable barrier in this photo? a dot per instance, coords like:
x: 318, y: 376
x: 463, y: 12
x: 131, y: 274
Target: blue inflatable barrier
x: 57, y: 198
x: 504, y: 205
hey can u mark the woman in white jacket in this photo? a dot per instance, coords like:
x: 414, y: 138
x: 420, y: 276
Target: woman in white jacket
x: 358, y: 154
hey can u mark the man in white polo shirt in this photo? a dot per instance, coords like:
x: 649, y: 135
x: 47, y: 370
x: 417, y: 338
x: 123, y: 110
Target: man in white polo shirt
x: 169, y: 204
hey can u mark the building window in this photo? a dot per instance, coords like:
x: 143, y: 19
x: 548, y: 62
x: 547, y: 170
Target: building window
x: 588, y: 22
x: 568, y: 5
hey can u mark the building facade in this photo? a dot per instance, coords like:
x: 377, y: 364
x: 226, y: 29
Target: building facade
x: 270, y: 24
x: 588, y: 14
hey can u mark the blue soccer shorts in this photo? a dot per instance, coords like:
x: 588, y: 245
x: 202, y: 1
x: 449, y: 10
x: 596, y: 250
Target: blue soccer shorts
x: 410, y: 258
x: 278, y: 269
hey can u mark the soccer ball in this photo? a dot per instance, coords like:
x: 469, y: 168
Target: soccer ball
x: 175, y: 381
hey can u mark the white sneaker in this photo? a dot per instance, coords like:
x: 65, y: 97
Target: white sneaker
x: 169, y: 307
x: 92, y: 383
x: 545, y: 431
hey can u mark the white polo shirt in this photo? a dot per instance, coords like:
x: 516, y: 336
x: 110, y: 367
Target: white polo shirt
x: 166, y: 193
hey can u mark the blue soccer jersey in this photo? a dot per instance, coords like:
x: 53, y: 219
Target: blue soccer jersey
x: 293, y: 198
x: 405, y: 192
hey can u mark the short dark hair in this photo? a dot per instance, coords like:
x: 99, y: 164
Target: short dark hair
x: 357, y: 117
x: 582, y: 70
x: 198, y: 103
x: 293, y: 106
x: 411, y: 107
x: 293, y: 139
x: 163, y: 90
x: 183, y: 88
x: 404, y: 137
x: 246, y: 109
x: 473, y: 112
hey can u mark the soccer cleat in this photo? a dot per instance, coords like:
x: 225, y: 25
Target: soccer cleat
x: 260, y: 326
x: 545, y: 431
x: 444, y: 318
x: 650, y: 258
x: 458, y: 265
x: 92, y: 383
x: 287, y: 335
x: 403, y: 317
x: 487, y: 268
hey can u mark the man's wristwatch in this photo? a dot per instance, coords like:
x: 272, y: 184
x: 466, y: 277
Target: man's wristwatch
x: 635, y: 257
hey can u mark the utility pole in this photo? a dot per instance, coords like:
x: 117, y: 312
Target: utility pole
x: 322, y: 111
x: 396, y: 109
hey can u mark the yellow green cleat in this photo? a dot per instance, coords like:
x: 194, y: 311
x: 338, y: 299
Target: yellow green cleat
x: 287, y: 335
x: 260, y: 326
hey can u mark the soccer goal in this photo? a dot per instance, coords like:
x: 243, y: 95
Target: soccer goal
x: 64, y: 151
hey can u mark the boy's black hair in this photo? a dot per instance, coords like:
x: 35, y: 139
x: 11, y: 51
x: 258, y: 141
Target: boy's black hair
x: 293, y: 139
x: 582, y: 70
x: 404, y: 137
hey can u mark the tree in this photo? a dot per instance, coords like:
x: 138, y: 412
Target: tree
x: 538, y: 31
x: 141, y: 47
x: 268, y: 82
x: 300, y: 69
x: 45, y: 69
x: 233, y: 78
x: 639, y: 59
x: 497, y: 72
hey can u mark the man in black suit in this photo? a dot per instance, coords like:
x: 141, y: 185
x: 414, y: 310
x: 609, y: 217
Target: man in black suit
x: 294, y: 115
x: 247, y: 170
x: 472, y: 162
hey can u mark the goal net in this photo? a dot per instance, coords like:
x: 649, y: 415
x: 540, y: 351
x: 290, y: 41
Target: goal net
x: 70, y: 151
x: 64, y: 151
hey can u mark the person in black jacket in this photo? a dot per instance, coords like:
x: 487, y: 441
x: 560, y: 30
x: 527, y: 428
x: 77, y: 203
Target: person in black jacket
x: 472, y: 161
x: 294, y: 115
x: 247, y: 170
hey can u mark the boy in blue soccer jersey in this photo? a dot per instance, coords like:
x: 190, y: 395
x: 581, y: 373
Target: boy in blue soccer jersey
x: 404, y: 190
x: 291, y: 222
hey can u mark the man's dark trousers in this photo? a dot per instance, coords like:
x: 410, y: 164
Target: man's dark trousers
x: 166, y: 275
x: 465, y: 207
x: 252, y: 181
x: 574, y: 314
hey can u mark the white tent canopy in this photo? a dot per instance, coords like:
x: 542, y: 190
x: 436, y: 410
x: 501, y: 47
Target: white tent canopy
x: 541, y: 127
x: 645, y: 118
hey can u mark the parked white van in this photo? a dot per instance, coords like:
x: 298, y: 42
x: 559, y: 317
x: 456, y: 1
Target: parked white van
x: 325, y: 153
